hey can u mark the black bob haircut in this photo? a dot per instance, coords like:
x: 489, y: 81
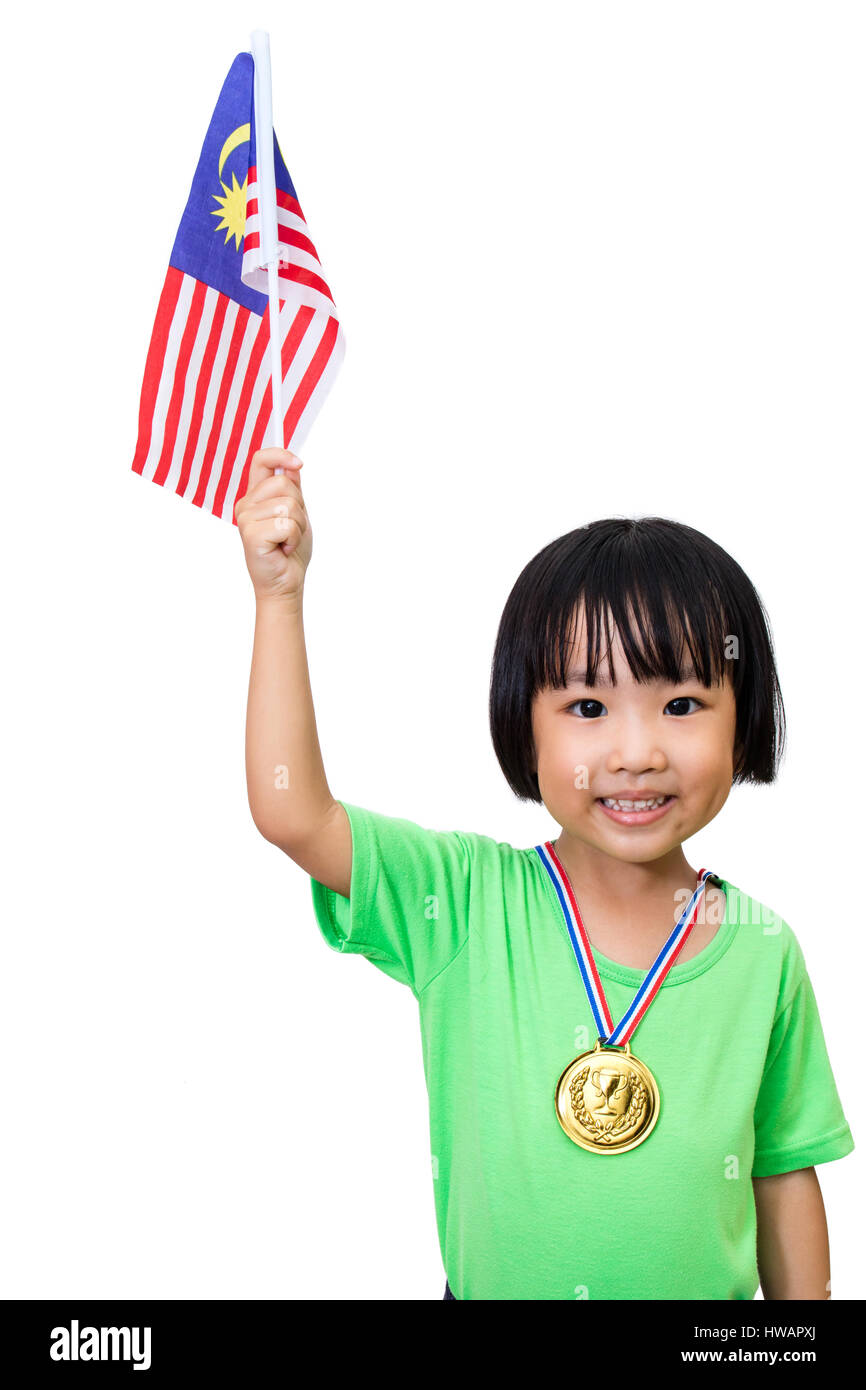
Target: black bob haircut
x: 681, y: 589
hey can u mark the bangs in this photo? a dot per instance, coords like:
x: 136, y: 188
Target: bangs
x: 666, y: 625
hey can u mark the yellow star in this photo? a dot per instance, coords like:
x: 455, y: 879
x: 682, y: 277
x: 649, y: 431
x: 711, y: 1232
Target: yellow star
x: 232, y: 209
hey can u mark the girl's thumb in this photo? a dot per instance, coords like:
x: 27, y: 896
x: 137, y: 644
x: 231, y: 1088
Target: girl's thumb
x: 292, y: 463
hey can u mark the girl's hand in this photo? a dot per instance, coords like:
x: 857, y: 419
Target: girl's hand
x: 274, y: 526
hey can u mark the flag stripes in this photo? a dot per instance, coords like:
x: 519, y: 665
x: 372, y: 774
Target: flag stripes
x: 208, y: 361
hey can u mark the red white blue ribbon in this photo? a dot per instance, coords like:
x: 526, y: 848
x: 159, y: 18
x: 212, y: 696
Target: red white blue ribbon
x: 654, y: 978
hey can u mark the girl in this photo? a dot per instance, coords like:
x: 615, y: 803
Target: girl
x: 628, y: 1083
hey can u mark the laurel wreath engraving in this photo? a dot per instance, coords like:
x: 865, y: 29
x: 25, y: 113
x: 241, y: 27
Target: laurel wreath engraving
x: 609, y: 1133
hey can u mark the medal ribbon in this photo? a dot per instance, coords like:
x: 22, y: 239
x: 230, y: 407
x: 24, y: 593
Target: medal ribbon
x: 654, y: 978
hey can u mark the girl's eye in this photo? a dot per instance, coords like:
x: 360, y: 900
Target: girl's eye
x: 596, y: 706
x: 595, y: 703
x: 685, y: 700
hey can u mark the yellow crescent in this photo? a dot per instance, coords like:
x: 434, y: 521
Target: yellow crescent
x: 237, y: 137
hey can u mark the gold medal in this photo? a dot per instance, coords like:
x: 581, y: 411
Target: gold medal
x: 606, y: 1100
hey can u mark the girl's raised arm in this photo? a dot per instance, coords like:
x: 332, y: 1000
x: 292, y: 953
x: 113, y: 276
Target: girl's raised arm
x: 289, y: 796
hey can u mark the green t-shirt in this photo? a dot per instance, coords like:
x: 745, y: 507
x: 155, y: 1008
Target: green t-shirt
x: 733, y: 1038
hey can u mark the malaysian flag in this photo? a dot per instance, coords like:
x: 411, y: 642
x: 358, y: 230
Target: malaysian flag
x: 206, y: 397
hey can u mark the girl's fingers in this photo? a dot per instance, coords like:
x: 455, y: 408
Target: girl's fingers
x: 278, y: 509
x: 270, y: 532
x: 258, y: 506
x: 274, y: 456
x: 281, y: 485
x: 264, y: 461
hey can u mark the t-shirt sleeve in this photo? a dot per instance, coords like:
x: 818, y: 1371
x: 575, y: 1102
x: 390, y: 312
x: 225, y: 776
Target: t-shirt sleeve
x: 799, y: 1119
x: 408, y: 904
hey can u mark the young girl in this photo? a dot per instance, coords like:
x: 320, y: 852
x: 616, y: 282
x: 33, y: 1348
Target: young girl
x: 628, y: 1082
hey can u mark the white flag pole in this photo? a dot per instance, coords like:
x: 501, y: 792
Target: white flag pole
x: 268, y: 218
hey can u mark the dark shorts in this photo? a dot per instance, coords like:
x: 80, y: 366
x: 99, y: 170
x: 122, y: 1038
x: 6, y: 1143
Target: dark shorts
x: 448, y: 1293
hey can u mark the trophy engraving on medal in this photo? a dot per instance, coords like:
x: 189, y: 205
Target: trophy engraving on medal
x: 610, y: 1088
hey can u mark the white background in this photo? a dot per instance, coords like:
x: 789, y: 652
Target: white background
x: 590, y: 260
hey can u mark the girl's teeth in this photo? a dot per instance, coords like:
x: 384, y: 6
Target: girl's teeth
x: 635, y: 805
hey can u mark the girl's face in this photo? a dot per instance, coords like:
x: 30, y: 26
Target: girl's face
x: 628, y: 740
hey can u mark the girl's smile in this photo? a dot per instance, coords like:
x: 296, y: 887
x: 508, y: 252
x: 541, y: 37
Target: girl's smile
x: 637, y: 815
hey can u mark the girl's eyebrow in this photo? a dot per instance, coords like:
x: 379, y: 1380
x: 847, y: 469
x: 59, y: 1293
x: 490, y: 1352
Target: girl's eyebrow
x: 578, y: 677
